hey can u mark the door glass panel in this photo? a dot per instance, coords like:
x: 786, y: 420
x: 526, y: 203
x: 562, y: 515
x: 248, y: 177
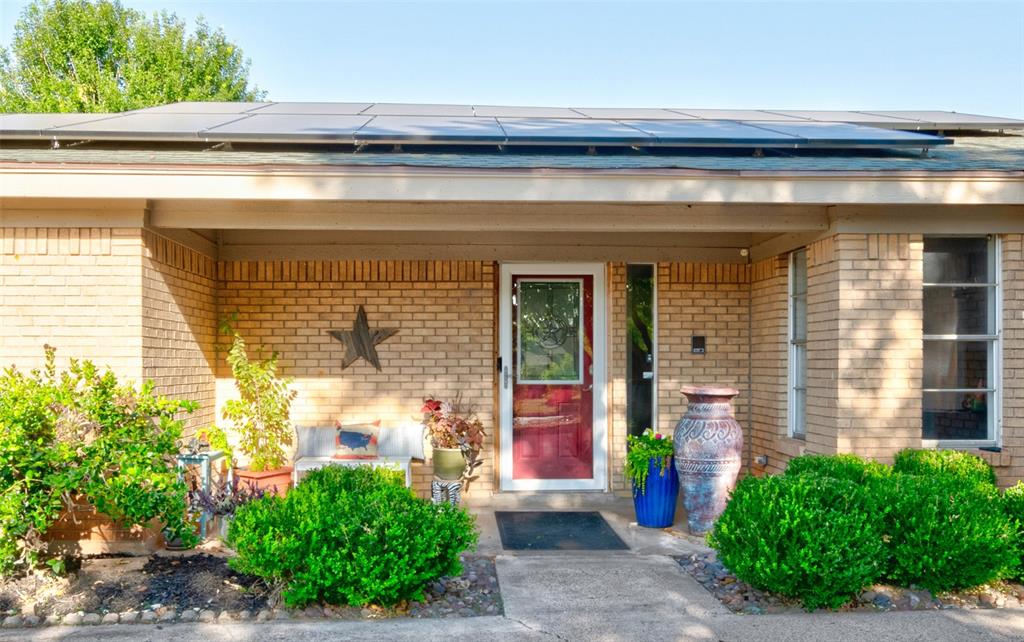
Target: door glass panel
x: 550, y: 333
x: 639, y: 348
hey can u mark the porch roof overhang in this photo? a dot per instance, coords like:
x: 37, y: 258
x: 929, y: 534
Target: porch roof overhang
x: 535, y: 185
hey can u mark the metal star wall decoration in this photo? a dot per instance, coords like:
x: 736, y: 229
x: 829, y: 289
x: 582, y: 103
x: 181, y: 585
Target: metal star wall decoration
x: 360, y: 341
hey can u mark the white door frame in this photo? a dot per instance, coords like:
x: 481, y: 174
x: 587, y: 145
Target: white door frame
x: 600, y: 339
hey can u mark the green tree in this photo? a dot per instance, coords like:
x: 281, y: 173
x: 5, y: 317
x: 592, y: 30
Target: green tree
x: 81, y: 56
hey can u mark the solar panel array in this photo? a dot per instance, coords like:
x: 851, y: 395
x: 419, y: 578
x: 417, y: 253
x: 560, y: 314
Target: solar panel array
x: 396, y: 123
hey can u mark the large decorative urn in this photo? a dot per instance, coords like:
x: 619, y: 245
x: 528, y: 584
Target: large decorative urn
x: 709, y: 447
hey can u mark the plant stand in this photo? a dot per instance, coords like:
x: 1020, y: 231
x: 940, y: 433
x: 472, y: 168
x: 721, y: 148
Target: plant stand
x: 446, y: 491
x: 205, y: 463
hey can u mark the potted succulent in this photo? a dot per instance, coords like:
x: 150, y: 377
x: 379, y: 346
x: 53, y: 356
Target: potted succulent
x: 260, y: 416
x: 654, y: 478
x: 456, y: 435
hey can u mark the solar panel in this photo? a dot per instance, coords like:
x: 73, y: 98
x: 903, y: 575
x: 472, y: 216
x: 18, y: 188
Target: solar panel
x: 616, y: 113
x: 944, y: 119
x: 405, y: 109
x: 525, y: 112
x: 820, y: 134
x: 294, y: 127
x: 841, y: 116
x: 735, y: 114
x: 34, y: 125
x: 575, y: 131
x: 208, y: 107
x: 430, y: 129
x: 315, y: 108
x: 710, y: 132
x: 146, y: 126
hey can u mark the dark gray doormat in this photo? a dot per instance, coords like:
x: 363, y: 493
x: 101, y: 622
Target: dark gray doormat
x: 556, y: 531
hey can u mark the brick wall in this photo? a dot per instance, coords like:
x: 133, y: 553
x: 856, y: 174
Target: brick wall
x: 617, y: 357
x: 179, y: 324
x: 702, y: 299
x: 1010, y: 463
x: 444, y: 313
x: 75, y: 289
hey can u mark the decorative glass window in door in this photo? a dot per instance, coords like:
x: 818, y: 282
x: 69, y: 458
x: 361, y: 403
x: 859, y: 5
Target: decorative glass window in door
x: 549, y: 321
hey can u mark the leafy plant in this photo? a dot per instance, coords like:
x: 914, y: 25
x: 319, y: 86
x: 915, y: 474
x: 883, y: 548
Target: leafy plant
x: 218, y: 440
x: 261, y: 413
x: 804, y: 536
x: 80, y: 56
x: 945, y: 462
x: 454, y: 424
x: 846, y: 466
x: 82, y: 434
x: 946, y: 532
x: 1013, y: 506
x: 642, y: 449
x: 225, y: 499
x: 350, y: 536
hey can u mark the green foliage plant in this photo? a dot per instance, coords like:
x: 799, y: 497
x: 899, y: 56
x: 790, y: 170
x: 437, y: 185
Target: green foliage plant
x: 642, y: 449
x: 82, y: 56
x: 845, y: 466
x: 260, y: 415
x: 350, y: 535
x: 957, y: 463
x: 1013, y: 506
x: 803, y: 536
x: 81, y: 434
x: 946, y: 532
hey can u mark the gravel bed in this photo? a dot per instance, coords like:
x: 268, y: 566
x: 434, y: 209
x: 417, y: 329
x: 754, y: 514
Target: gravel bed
x: 201, y: 587
x: 741, y: 597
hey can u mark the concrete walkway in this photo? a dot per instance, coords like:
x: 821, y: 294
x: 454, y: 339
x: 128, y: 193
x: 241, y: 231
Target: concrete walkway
x: 637, y: 595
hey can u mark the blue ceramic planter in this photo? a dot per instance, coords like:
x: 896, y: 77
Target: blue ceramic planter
x: 656, y: 508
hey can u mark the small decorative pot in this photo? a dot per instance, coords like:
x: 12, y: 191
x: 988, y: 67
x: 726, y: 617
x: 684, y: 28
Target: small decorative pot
x: 278, y: 479
x: 656, y: 506
x: 709, y: 447
x: 449, y: 463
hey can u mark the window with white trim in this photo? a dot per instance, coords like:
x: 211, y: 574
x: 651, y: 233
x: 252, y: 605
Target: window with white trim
x: 798, y: 344
x: 960, y: 377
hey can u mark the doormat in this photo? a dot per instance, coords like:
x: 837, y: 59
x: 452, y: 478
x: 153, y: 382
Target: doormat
x: 556, y: 531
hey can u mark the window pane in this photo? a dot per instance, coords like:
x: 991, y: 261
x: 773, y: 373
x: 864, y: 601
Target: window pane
x: 950, y: 310
x: 799, y: 318
x: 639, y: 348
x: 956, y: 260
x: 799, y: 263
x: 799, y: 366
x: 956, y: 364
x: 549, y: 331
x: 956, y: 415
x: 800, y: 413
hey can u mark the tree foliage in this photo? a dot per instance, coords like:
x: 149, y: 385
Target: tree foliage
x: 81, y: 56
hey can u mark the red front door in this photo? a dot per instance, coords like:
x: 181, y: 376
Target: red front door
x: 553, y: 377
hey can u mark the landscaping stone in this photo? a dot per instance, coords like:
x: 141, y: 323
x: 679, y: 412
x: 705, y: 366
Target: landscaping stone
x: 189, y: 615
x: 225, y: 616
x: 245, y: 616
x: 264, y: 615
x: 110, y: 618
x: 167, y: 616
x: 206, y: 615
x: 282, y: 614
x: 91, y: 619
x: 11, y: 622
x: 72, y: 619
x: 129, y: 617
x: 52, y: 620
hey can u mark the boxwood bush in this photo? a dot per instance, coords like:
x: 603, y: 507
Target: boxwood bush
x: 1013, y: 506
x: 848, y: 467
x: 803, y: 536
x: 944, y: 462
x: 350, y: 536
x: 946, y: 532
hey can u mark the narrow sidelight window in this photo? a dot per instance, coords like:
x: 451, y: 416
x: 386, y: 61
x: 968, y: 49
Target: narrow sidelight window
x: 961, y: 340
x: 798, y: 344
x: 640, y: 348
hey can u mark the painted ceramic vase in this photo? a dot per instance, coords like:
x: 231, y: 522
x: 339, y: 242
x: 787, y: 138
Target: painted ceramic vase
x: 709, y: 447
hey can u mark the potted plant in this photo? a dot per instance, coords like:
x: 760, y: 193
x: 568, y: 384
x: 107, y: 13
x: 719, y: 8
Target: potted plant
x: 456, y: 435
x: 655, y: 482
x: 260, y: 416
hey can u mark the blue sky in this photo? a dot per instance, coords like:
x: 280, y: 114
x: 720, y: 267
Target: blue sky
x: 963, y: 56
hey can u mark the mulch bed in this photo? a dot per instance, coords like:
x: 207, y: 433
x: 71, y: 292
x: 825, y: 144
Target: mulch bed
x: 740, y: 597
x: 202, y: 587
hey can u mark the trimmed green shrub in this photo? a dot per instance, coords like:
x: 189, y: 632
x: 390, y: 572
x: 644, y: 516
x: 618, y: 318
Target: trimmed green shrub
x: 944, y: 462
x: 848, y: 467
x: 946, y: 532
x: 803, y: 536
x: 350, y: 536
x: 1013, y: 506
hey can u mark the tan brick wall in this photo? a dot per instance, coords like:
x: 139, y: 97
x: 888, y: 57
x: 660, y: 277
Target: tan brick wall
x: 75, y: 289
x: 617, y: 427
x: 444, y: 313
x: 1010, y: 463
x: 710, y: 300
x: 179, y: 324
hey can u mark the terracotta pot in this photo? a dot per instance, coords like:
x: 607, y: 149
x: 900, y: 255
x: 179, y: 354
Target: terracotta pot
x: 449, y: 463
x: 279, y: 479
x: 709, y: 447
